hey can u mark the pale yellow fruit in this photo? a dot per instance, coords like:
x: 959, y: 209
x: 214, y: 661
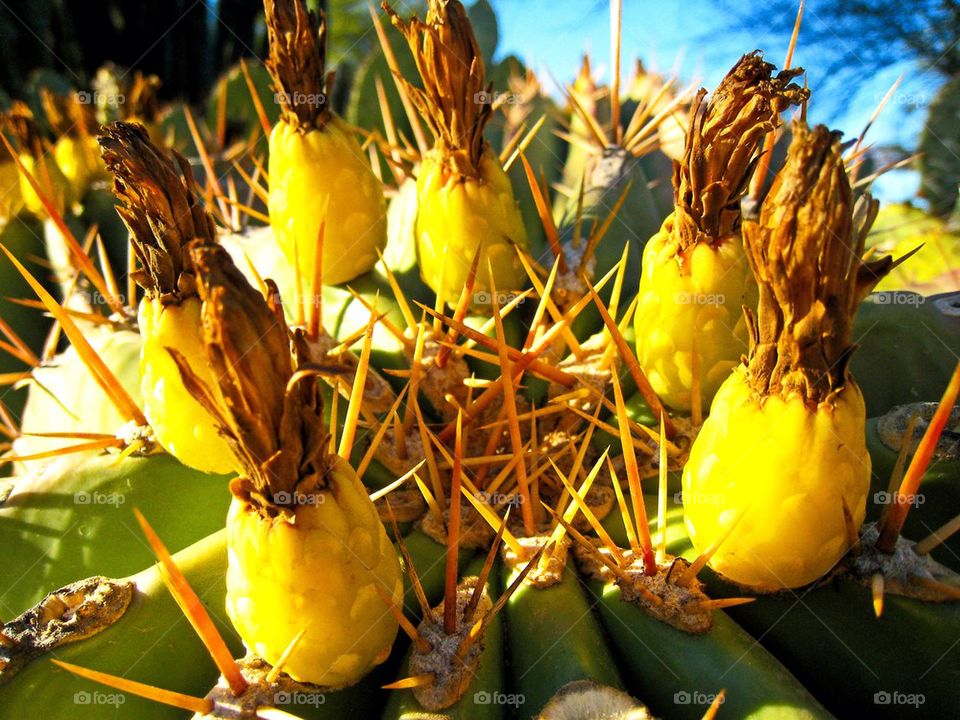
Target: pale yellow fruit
x: 79, y: 161
x: 692, y: 300
x: 316, y: 572
x: 324, y: 174
x: 789, y: 470
x: 11, y: 199
x: 180, y: 424
x: 53, y: 184
x: 456, y: 215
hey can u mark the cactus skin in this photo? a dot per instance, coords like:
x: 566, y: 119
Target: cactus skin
x: 546, y: 660
x: 670, y: 669
x: 908, y: 346
x: 848, y: 658
x: 72, y: 519
x: 139, y: 645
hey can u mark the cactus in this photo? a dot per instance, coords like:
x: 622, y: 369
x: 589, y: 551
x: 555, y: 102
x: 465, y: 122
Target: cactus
x: 461, y: 496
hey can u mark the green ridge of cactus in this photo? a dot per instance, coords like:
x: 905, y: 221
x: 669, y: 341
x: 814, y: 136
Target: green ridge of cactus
x: 73, y: 518
x: 908, y: 347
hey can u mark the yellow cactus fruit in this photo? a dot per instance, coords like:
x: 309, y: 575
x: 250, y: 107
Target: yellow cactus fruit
x: 700, y: 292
x: 318, y: 171
x: 159, y: 203
x: 456, y: 217
x: 781, y: 462
x: 11, y: 199
x: 75, y: 150
x: 695, y: 277
x: 33, y: 155
x: 77, y: 159
x: 465, y: 200
x: 315, y: 570
x: 306, y: 549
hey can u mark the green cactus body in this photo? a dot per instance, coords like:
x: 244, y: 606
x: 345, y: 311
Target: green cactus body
x: 908, y: 348
x: 72, y: 518
x: 558, y: 641
x: 63, y: 397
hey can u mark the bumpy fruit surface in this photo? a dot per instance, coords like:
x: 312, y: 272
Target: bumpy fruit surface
x: 789, y: 470
x: 307, y: 168
x: 180, y: 424
x: 318, y: 572
x: 459, y: 214
x: 692, y: 300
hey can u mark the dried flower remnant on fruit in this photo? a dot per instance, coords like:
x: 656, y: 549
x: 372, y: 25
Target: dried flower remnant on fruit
x: 455, y: 100
x: 160, y: 205
x: 806, y: 255
x: 272, y: 418
x: 722, y: 145
x: 297, y: 62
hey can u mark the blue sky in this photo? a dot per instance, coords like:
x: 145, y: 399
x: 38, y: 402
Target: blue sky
x: 551, y: 35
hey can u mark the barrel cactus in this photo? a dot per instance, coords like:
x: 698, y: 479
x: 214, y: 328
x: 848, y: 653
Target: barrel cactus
x: 400, y: 426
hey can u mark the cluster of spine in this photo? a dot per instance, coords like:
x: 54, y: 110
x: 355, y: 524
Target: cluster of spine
x: 495, y: 427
